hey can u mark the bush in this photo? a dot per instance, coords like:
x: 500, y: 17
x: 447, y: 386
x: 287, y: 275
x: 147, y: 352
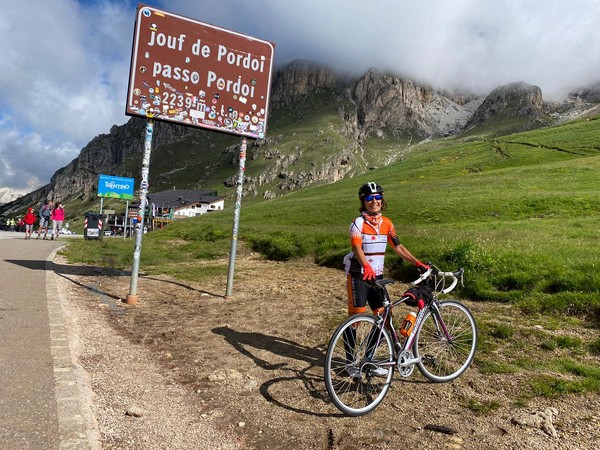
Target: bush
x: 595, y: 347
x: 197, y: 231
x: 567, y: 303
x: 278, y: 247
x: 330, y: 250
x: 333, y: 259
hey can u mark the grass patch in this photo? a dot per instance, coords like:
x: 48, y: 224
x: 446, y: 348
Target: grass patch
x: 481, y: 407
x: 562, y: 342
x: 501, y: 331
x: 594, y: 347
x: 555, y: 363
x: 554, y: 387
x: 490, y: 367
x: 558, y: 377
x: 173, y: 251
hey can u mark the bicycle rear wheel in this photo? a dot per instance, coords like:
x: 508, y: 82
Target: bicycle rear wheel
x: 355, y: 378
x: 445, y: 356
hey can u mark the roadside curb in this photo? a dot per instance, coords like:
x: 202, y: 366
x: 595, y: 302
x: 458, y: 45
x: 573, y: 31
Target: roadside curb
x: 72, y: 425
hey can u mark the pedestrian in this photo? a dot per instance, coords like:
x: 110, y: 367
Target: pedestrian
x: 369, y: 235
x: 58, y: 217
x: 29, y: 220
x: 45, y: 212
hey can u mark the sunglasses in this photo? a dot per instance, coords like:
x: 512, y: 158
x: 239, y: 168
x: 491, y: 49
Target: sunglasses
x: 370, y: 198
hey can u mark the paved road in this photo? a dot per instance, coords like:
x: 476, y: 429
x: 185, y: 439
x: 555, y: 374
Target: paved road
x: 40, y: 406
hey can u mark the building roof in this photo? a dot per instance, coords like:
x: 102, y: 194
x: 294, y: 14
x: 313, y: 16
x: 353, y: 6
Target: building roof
x: 202, y: 201
x: 178, y: 197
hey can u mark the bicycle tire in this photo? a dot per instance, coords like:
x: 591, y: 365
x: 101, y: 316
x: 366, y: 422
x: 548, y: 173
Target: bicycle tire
x: 358, y: 396
x: 441, y: 360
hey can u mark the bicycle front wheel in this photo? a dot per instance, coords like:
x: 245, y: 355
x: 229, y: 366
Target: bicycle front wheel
x: 359, y: 364
x: 446, y: 342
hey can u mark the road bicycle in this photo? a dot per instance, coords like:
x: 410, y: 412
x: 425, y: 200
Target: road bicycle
x: 365, y: 350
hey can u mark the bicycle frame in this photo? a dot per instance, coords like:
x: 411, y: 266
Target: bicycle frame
x: 399, y: 348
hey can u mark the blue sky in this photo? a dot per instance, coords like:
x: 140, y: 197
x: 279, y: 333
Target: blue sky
x: 65, y: 63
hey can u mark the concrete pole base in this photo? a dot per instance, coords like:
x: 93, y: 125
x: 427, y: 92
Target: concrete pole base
x: 132, y: 299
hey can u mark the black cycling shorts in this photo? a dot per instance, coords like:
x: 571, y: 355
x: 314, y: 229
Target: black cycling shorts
x: 364, y: 292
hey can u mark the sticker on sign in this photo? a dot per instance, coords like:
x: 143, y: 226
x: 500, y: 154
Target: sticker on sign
x: 193, y: 73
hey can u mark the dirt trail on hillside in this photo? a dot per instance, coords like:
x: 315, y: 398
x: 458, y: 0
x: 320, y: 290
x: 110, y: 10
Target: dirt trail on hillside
x: 250, y: 370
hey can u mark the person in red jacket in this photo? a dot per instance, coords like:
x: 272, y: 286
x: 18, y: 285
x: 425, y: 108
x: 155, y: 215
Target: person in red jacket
x: 370, y: 233
x: 29, y: 220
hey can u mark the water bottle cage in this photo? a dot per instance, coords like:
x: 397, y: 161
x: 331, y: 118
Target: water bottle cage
x: 408, y: 324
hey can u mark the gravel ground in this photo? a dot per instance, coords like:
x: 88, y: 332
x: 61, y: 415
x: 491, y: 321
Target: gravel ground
x: 134, y: 404
x: 188, y: 369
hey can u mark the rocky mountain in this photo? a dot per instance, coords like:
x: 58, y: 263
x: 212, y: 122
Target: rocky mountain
x: 300, y: 78
x: 8, y: 195
x: 520, y: 102
x: 323, y: 127
x: 401, y: 106
x: 106, y: 154
x: 590, y: 94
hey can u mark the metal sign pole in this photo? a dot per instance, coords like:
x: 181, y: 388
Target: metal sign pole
x: 125, y: 220
x: 236, y: 217
x: 132, y: 297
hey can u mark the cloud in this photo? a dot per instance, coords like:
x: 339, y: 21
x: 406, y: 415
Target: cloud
x: 63, y: 80
x: 24, y: 158
x: 65, y: 64
x: 474, y: 44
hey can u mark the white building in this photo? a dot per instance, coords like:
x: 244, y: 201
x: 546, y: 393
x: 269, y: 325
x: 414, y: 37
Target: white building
x: 203, y: 206
x: 183, y: 203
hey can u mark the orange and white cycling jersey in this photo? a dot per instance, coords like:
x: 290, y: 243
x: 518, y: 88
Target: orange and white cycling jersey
x: 372, y: 236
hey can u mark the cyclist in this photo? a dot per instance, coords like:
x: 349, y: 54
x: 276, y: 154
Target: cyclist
x: 369, y: 235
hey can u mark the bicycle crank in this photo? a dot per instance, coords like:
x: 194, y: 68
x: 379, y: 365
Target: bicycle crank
x: 406, y: 363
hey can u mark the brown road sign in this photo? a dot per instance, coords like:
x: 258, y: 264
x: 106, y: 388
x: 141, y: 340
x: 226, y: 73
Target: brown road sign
x: 196, y: 74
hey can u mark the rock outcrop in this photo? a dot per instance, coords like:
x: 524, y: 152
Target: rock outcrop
x: 386, y: 103
x: 515, y: 100
x: 299, y: 78
x: 107, y: 152
x: 590, y: 94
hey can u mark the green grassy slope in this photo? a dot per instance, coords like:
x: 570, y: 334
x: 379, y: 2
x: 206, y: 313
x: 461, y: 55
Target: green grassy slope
x: 520, y: 213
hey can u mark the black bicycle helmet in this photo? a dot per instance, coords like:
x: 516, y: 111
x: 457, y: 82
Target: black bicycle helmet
x: 369, y: 188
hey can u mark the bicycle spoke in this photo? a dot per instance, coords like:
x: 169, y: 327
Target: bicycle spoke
x: 447, y: 348
x: 356, y: 350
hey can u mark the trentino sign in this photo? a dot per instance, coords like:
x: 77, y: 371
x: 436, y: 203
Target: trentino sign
x: 196, y: 74
x: 115, y: 187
